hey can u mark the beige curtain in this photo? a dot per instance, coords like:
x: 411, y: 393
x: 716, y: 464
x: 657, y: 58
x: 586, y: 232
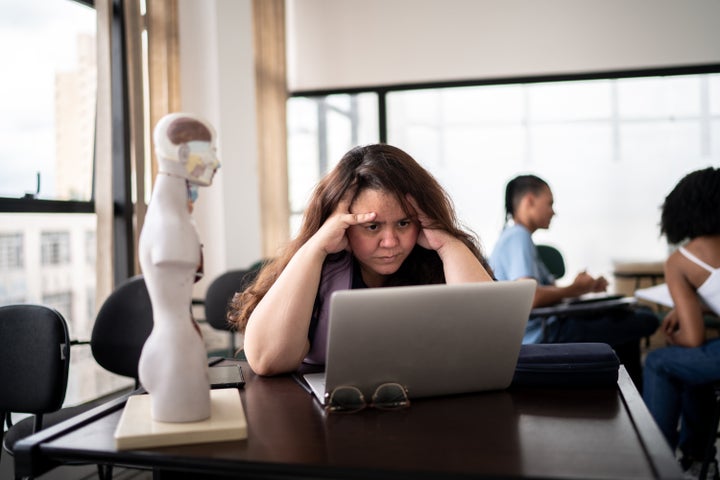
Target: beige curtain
x: 271, y: 97
x: 153, y: 91
x: 135, y: 65
x: 103, y: 154
x: 163, y: 63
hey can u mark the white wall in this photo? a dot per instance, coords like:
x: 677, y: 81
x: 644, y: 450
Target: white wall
x: 217, y: 82
x: 347, y: 43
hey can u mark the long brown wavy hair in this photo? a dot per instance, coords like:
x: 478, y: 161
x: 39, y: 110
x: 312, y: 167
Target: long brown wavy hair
x: 378, y: 167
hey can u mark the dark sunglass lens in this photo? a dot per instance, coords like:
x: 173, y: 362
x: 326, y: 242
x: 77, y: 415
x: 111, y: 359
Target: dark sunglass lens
x: 346, y: 399
x: 391, y: 396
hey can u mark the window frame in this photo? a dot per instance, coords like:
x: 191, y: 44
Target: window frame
x: 383, y: 90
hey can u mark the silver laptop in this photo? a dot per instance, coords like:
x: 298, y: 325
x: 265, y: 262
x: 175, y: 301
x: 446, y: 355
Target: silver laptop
x: 433, y: 339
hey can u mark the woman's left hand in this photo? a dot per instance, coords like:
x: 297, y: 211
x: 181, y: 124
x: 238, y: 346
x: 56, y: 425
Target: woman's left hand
x: 460, y: 265
x: 428, y: 237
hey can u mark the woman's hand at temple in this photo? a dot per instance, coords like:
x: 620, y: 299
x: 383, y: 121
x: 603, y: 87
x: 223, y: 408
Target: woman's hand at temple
x: 459, y: 263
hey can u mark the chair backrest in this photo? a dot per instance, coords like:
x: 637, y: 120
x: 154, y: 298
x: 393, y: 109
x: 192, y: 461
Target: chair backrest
x: 553, y: 260
x: 221, y: 291
x: 34, y: 360
x: 122, y: 325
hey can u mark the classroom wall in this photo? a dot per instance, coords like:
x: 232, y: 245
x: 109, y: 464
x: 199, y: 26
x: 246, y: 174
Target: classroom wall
x: 343, y: 43
x: 350, y: 43
x: 217, y: 81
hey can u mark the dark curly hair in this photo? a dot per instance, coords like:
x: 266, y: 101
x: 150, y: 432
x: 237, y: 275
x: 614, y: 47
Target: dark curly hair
x: 692, y: 209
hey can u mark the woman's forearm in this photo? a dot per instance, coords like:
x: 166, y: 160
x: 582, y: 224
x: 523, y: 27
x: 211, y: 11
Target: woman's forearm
x: 276, y: 336
x: 460, y: 265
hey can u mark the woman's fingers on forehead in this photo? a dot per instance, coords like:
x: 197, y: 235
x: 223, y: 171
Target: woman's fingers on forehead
x: 358, y: 218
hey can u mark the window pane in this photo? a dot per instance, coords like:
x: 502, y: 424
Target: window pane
x: 659, y: 96
x: 44, y: 259
x: 714, y: 82
x: 566, y: 101
x: 610, y: 149
x: 47, y: 99
x: 320, y: 131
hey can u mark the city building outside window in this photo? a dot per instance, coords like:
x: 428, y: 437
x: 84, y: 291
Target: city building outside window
x: 11, y: 251
x: 55, y: 248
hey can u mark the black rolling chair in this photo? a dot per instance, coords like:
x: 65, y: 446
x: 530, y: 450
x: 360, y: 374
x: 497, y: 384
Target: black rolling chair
x: 121, y: 327
x: 218, y: 297
x: 34, y: 362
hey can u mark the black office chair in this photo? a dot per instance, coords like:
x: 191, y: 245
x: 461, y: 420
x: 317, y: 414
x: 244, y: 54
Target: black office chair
x: 220, y: 293
x: 121, y: 327
x: 553, y: 260
x: 34, y: 362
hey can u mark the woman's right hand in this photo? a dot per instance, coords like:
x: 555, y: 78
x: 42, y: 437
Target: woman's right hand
x: 670, y: 326
x: 331, y: 237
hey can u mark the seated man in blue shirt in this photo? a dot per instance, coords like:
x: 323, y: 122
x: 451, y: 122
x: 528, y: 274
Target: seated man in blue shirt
x: 529, y: 203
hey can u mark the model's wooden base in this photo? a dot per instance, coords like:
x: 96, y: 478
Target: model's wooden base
x: 137, y: 429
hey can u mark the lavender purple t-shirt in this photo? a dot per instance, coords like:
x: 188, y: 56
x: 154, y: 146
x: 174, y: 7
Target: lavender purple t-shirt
x: 337, y: 274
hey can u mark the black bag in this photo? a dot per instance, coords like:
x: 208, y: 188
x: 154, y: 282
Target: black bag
x: 583, y: 365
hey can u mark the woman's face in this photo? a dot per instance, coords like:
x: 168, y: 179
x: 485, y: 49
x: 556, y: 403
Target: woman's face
x: 382, y: 245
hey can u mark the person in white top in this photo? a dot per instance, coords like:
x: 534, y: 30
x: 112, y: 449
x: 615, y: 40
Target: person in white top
x: 678, y: 379
x: 173, y: 364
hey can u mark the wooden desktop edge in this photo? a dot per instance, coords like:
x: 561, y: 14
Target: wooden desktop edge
x: 651, y: 438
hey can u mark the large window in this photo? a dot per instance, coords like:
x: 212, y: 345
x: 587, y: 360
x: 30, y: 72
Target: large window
x: 47, y: 140
x: 611, y: 150
x: 47, y: 131
x: 320, y: 131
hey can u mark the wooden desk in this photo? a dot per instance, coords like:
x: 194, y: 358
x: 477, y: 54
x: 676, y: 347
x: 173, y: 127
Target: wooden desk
x: 630, y: 276
x: 519, y: 433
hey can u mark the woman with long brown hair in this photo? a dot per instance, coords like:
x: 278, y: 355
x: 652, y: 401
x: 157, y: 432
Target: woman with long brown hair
x: 377, y: 219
